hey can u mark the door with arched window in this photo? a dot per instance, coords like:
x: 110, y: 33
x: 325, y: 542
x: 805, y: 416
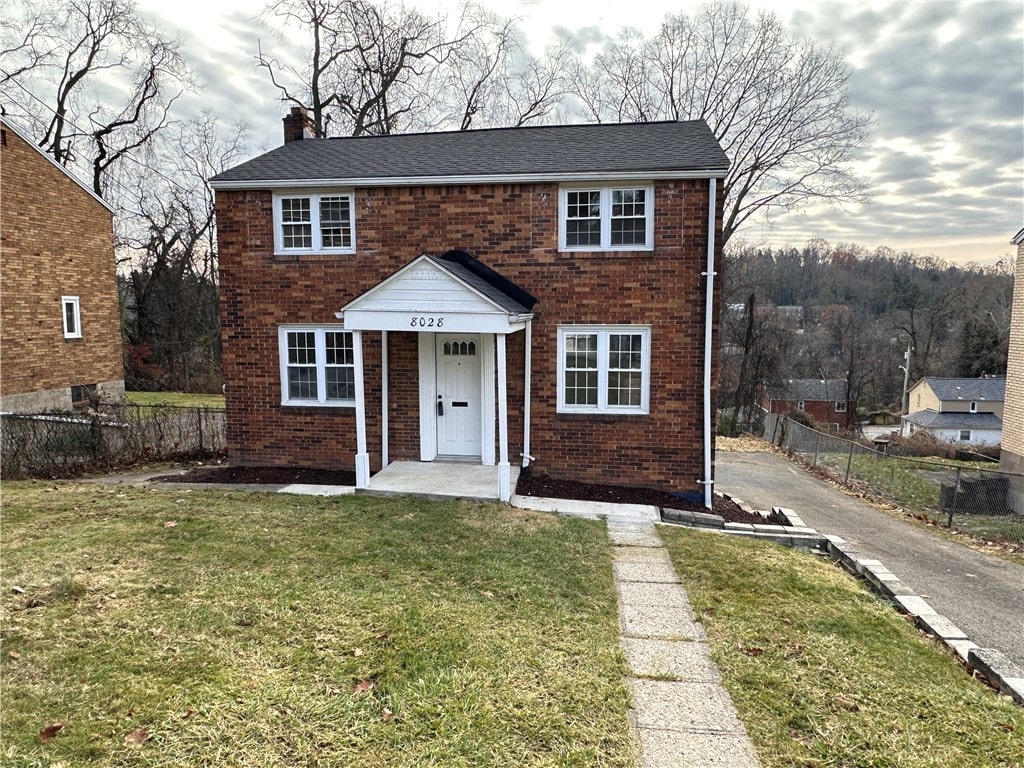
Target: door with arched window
x: 458, y: 395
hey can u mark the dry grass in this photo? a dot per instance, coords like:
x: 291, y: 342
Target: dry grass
x: 743, y: 443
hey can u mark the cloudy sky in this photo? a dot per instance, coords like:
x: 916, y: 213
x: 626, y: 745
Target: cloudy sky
x: 943, y: 81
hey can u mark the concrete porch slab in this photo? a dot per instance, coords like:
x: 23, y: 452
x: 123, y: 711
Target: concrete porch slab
x: 438, y: 479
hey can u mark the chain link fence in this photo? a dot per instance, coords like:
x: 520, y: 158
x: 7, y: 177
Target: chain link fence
x: 974, y: 497
x: 65, y: 444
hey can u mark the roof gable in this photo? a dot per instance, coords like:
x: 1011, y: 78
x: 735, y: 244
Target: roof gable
x: 88, y: 190
x: 684, y: 149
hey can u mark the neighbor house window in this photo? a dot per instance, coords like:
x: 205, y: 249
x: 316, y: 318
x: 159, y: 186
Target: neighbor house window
x: 317, y: 366
x: 72, y: 317
x: 799, y: 405
x: 840, y: 406
x: 307, y: 223
x: 604, y: 369
x: 965, y: 434
x: 606, y: 218
x: 974, y: 407
x: 81, y: 395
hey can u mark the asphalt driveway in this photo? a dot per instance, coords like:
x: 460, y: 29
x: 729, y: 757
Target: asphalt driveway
x: 981, y: 594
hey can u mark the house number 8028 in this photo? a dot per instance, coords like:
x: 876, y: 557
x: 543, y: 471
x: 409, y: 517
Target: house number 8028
x: 426, y: 322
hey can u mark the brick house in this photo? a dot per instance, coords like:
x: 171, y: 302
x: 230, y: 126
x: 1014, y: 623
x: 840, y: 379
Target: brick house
x: 60, y: 330
x: 507, y: 298
x: 1012, y: 453
x: 825, y: 400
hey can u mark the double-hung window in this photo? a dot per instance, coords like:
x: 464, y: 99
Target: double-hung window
x: 606, y: 218
x: 72, y: 311
x: 840, y: 406
x: 604, y: 369
x: 317, y: 365
x: 314, y: 223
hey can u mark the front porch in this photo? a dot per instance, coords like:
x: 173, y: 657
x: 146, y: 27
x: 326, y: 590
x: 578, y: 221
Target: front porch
x: 439, y: 479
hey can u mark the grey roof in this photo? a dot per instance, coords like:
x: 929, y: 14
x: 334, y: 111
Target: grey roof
x: 934, y: 420
x: 809, y: 389
x: 559, y: 151
x: 989, y: 390
x: 474, y: 273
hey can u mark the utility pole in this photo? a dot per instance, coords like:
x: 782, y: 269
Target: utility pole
x: 904, y: 402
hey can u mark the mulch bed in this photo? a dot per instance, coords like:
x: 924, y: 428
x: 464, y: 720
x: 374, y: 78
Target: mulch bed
x: 533, y: 485
x: 529, y: 485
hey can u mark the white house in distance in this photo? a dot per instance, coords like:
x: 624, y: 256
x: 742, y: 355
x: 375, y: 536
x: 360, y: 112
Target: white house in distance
x: 967, y: 411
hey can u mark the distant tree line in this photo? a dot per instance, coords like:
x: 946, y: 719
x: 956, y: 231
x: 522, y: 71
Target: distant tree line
x: 858, y: 311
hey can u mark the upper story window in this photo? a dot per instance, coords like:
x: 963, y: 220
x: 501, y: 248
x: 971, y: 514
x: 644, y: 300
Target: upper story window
x: 317, y: 365
x: 314, y: 223
x: 604, y: 369
x: 974, y: 407
x: 606, y: 218
x: 840, y: 406
x: 72, y: 317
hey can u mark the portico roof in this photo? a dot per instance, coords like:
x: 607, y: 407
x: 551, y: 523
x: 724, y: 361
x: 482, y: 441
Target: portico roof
x: 453, y: 293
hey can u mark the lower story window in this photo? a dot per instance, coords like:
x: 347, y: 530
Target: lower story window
x: 604, y: 369
x: 317, y: 365
x: 965, y: 434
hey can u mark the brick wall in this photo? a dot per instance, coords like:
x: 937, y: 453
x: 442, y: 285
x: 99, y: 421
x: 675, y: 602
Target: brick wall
x: 512, y: 229
x: 1013, y: 410
x: 55, y: 240
x: 822, y: 411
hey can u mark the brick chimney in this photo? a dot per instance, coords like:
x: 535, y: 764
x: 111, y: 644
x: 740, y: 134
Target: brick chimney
x: 298, y: 125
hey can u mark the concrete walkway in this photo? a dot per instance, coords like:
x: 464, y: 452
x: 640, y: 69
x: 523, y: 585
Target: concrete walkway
x: 682, y: 715
x: 981, y: 594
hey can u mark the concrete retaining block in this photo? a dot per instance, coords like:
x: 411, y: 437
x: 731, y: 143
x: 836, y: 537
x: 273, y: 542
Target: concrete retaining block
x: 1003, y: 673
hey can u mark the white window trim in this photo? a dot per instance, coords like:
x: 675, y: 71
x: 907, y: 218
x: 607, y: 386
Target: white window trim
x: 799, y: 405
x: 314, y: 213
x: 602, y: 406
x: 606, y: 216
x: 840, y: 406
x: 965, y: 439
x: 76, y: 332
x: 974, y: 406
x: 320, y: 341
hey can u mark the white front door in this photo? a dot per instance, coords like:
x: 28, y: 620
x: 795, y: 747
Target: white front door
x: 458, y: 394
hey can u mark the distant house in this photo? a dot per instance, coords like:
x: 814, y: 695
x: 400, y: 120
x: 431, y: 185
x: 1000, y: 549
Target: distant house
x: 968, y: 411
x: 60, y: 331
x: 1012, y: 458
x: 825, y: 400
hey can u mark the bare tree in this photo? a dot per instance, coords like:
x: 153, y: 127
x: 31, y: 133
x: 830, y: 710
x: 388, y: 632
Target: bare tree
x: 173, y: 328
x: 778, y: 105
x: 99, y: 81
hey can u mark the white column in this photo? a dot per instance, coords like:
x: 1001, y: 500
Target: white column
x: 504, y: 474
x: 362, y: 457
x: 383, y: 399
x: 528, y: 357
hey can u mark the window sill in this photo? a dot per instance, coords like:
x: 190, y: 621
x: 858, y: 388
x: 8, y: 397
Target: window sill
x: 291, y: 405
x: 601, y: 416
x: 615, y: 250
x: 287, y: 257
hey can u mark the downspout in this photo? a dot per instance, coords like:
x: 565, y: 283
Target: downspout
x: 707, y: 482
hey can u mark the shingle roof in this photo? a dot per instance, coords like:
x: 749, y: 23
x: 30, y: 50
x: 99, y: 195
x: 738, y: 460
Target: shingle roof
x: 989, y: 390
x: 494, y: 286
x: 658, y: 150
x: 809, y: 389
x: 934, y: 420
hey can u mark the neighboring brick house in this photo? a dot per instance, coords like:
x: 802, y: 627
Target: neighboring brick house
x: 825, y: 400
x: 968, y: 411
x: 507, y: 297
x: 60, y: 338
x: 1012, y: 456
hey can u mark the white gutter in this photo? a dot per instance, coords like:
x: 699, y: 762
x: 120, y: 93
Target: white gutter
x: 709, y: 304
x: 486, y: 178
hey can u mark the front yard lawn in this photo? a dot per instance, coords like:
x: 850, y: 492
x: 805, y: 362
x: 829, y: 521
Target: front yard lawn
x: 824, y: 674
x: 168, y: 628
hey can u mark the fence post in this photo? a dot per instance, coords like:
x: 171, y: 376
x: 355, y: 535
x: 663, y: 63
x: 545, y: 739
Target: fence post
x: 849, y: 461
x: 952, y: 505
x: 817, y: 442
x: 199, y: 423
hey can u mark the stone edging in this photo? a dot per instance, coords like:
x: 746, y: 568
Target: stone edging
x: 1001, y: 672
x: 794, y: 534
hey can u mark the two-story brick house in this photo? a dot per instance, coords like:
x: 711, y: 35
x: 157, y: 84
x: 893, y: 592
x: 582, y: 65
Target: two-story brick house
x: 60, y: 330
x: 827, y: 401
x: 508, y: 297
